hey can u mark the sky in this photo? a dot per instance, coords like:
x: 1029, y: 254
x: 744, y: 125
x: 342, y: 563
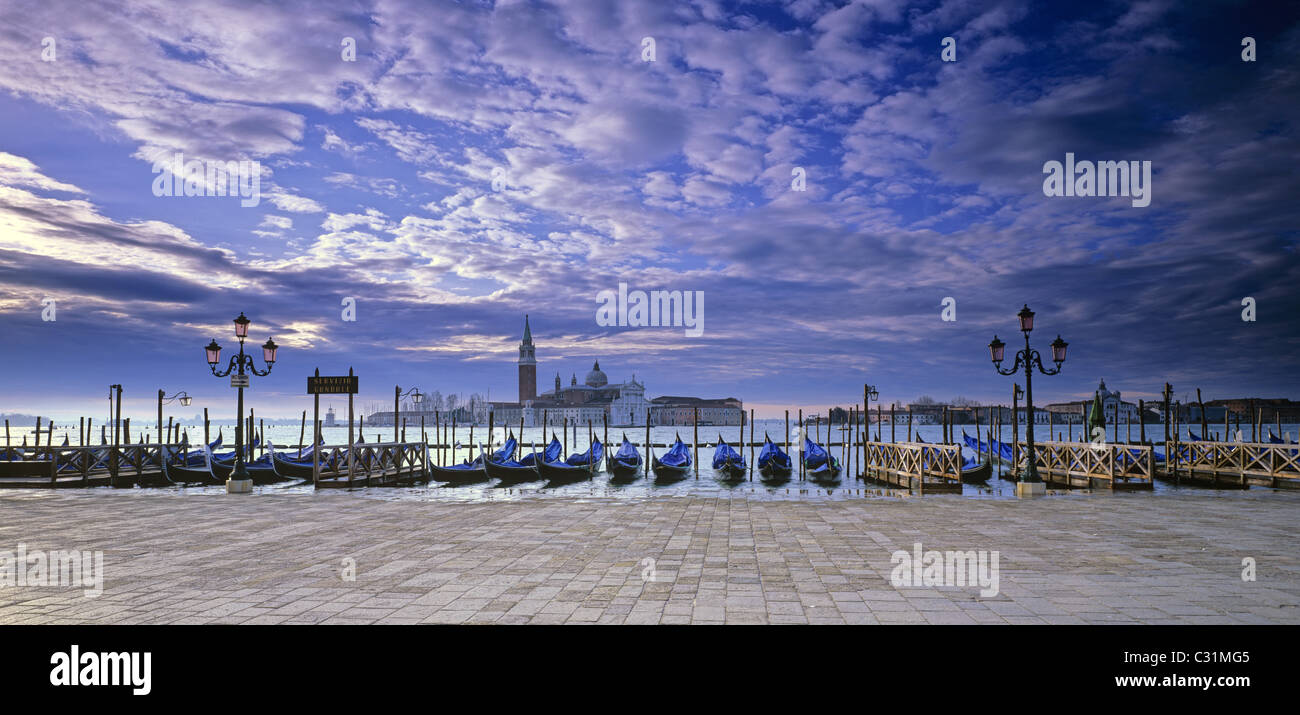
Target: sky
x: 453, y: 166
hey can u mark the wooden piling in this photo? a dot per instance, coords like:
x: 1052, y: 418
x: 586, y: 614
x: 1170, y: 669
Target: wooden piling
x: 787, y: 431
x: 695, y: 441
x: 751, y: 443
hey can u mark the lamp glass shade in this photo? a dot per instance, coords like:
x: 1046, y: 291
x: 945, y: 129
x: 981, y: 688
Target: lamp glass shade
x: 268, y: 351
x: 1058, y: 350
x: 997, y: 349
x: 185, y: 401
x: 214, y: 353
x: 1026, y: 319
x: 241, y: 326
x: 417, y: 397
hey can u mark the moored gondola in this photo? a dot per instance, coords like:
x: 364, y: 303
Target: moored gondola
x: 186, y: 474
x: 625, y: 464
x: 773, y: 462
x: 469, y: 472
x: 511, y: 472
x: 972, y: 470
x: 576, y: 468
x: 727, y: 461
x: 261, y: 470
x: 676, y: 462
x: 818, y: 464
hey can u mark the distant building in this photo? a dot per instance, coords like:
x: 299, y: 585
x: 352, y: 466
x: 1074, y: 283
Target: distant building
x: 329, y: 417
x: 595, y: 400
x: 1075, y: 412
x: 680, y: 411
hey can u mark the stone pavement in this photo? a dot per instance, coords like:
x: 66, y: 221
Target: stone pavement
x: 284, y: 558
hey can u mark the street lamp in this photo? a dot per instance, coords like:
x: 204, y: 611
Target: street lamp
x: 163, y: 399
x: 1029, y: 359
x: 416, y: 396
x: 869, y: 395
x: 239, y: 480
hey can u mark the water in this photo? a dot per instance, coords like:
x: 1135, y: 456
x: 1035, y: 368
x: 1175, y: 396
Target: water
x: 601, y: 488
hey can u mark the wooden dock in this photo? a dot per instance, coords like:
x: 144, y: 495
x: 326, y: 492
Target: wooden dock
x: 921, y: 467
x: 1232, y: 465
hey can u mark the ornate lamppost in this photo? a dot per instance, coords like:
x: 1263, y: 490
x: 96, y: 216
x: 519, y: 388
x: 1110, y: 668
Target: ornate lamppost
x: 239, y: 480
x: 1028, y: 359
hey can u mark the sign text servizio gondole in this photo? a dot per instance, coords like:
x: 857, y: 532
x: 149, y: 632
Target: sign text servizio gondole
x: 332, y: 385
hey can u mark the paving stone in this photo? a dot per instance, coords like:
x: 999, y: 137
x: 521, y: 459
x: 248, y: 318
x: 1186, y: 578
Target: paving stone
x: 1168, y: 557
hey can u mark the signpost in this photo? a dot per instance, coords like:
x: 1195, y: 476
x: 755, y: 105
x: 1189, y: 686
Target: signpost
x: 318, y: 385
x: 239, y: 380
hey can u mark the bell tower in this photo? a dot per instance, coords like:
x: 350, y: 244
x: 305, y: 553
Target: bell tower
x: 527, y: 366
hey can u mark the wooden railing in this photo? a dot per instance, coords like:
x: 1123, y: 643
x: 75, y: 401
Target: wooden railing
x: 1245, y: 463
x: 914, y: 465
x: 1085, y: 464
x: 373, y: 464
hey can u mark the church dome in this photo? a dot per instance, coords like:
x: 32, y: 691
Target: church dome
x: 596, y: 378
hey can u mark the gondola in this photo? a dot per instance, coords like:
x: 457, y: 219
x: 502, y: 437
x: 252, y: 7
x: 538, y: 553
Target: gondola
x: 468, y: 472
x: 818, y: 464
x: 300, y: 467
x: 676, y: 463
x: 624, y: 464
x: 195, y: 458
x: 576, y: 468
x: 524, y: 470
x: 772, y: 462
x: 186, y: 474
x: 973, y: 470
x: 261, y: 470
x: 727, y: 461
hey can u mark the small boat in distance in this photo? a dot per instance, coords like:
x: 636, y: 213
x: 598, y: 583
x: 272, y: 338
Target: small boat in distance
x: 773, y: 463
x: 625, y: 463
x: 676, y: 463
x: 727, y: 461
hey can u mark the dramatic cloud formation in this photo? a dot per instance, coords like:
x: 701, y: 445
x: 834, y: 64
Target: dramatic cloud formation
x: 452, y: 166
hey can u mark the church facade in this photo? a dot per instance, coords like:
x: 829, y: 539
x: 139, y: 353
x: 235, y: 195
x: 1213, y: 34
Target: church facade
x: 594, y: 400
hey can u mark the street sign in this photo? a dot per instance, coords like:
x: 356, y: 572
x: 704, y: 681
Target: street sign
x: 332, y: 385
x: 239, y: 380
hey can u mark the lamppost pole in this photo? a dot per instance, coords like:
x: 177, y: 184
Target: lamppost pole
x: 415, y: 396
x: 163, y: 399
x: 1029, y: 359
x: 1031, y: 469
x: 240, y: 365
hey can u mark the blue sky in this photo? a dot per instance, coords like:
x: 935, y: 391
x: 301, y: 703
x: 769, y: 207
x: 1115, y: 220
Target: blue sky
x: 924, y: 181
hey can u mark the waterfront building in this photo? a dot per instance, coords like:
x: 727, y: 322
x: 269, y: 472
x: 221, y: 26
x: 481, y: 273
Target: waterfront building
x: 671, y: 410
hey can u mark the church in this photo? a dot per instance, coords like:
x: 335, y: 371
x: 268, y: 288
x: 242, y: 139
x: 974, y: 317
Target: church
x: 594, y: 400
